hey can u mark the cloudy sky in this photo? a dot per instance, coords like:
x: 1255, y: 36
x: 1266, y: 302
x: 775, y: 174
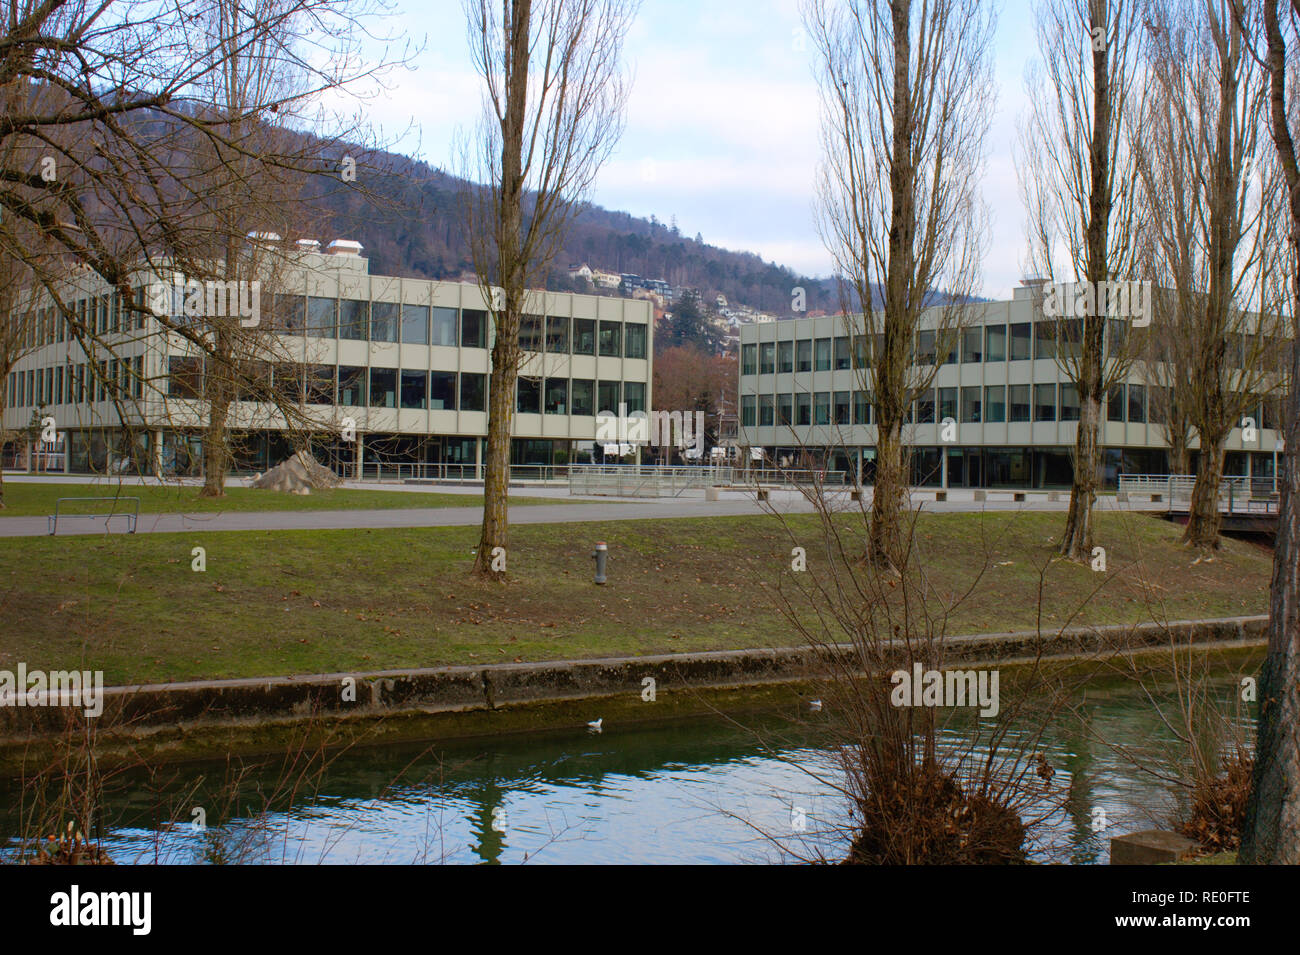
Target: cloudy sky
x: 721, y: 127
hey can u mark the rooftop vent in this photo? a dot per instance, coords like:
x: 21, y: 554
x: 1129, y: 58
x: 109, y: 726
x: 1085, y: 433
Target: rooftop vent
x: 308, y: 245
x: 343, y: 247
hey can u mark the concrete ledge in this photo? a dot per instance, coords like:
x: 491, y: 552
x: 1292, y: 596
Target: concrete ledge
x: 137, y: 711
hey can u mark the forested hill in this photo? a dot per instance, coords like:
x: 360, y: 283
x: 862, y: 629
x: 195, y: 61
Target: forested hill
x: 415, y: 229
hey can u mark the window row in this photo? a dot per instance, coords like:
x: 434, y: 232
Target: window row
x: 992, y: 404
x: 361, y: 320
x: 1019, y: 341
x: 99, y: 314
x: 578, y: 396
x: 76, y: 384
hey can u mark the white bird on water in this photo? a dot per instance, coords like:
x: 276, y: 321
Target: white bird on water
x: 815, y: 706
x: 595, y: 726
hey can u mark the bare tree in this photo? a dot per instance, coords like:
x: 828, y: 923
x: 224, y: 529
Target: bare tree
x: 906, y: 99
x: 554, y: 101
x: 1214, y: 226
x: 1077, y: 176
x: 17, y: 321
x: 1272, y: 828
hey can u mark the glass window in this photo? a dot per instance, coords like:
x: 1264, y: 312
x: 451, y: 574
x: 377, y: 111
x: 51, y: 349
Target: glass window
x: 353, y: 324
x: 1045, y: 402
x: 1020, y: 341
x: 1018, y: 403
x: 840, y: 407
x: 634, y: 395
x: 352, y: 386
x: 383, y: 387
x: 823, y: 349
x: 557, y: 335
x: 748, y: 403
x: 321, y: 318
x: 584, y: 336
x: 529, y: 396
x: 584, y: 390
x: 803, y: 355
x: 415, y: 324
x: 384, y: 318
x: 442, y: 390
x: 415, y: 388
x: 473, y: 391
x: 1137, y: 403
x: 841, y: 354
x: 634, y: 340
x: 530, y: 333
x: 1070, y: 338
x: 785, y: 408
x: 184, y: 378
x: 557, y: 396
x: 785, y: 357
x: 443, y: 327
x: 288, y: 312
x: 925, y: 407
x: 1069, y: 402
x: 766, y: 362
x: 822, y: 407
x: 948, y: 403
x: 862, y: 408
x: 611, y: 334
x: 473, y: 329
x: 995, y: 343
x: 320, y: 384
x: 970, y: 403
x: 1044, y: 341
x: 995, y: 403
x: 1115, y: 403
x: 860, y: 356
x: 749, y: 360
x: 925, y: 347
x: 766, y: 405
x: 607, y: 397
x: 803, y: 408
x: 972, y: 344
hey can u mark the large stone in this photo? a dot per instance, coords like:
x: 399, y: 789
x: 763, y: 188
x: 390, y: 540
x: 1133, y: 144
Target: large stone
x: 1151, y: 847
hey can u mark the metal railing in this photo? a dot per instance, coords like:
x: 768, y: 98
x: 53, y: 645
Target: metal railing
x: 630, y: 480
x: 1236, y: 492
x: 132, y: 517
x: 450, y: 473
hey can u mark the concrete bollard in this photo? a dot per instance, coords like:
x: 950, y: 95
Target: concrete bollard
x: 600, y: 555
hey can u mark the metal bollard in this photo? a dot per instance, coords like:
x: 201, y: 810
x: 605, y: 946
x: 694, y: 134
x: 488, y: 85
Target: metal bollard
x: 600, y: 555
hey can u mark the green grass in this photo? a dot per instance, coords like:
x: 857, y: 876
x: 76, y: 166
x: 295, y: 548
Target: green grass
x: 285, y: 602
x: 24, y: 499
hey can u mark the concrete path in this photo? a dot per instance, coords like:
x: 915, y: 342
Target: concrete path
x: 581, y: 510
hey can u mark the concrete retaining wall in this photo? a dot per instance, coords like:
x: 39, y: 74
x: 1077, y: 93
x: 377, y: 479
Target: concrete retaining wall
x: 141, y: 710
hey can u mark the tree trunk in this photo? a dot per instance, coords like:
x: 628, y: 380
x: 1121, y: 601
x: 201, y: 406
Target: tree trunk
x: 1076, y: 543
x: 885, y: 535
x: 1204, y: 520
x: 219, y: 390
x: 496, y: 460
x: 1271, y: 831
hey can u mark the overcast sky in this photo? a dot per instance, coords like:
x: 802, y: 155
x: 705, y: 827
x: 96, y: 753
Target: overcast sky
x: 721, y: 127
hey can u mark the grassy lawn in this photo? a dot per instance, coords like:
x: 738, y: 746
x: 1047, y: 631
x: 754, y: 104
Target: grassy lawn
x: 284, y: 602
x: 37, y: 499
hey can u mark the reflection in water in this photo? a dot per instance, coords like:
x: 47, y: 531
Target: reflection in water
x: 698, y: 791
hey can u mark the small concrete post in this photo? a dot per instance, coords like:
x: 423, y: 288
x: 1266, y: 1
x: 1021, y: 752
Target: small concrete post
x: 600, y: 555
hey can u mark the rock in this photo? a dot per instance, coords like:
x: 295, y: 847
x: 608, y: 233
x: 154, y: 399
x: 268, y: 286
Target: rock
x: 1151, y: 847
x: 297, y: 474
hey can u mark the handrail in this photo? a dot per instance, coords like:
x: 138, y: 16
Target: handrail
x: 132, y: 517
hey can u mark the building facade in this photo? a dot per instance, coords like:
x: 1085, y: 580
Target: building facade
x: 804, y: 399
x: 377, y: 370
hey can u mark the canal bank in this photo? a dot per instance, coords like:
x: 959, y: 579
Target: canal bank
x: 182, y: 721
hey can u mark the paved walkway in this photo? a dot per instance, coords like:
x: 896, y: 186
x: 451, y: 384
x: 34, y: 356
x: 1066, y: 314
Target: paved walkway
x: 579, y: 511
